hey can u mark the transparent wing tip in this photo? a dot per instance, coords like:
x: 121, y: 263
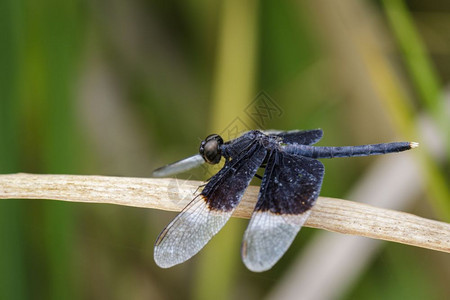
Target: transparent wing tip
x: 179, y: 166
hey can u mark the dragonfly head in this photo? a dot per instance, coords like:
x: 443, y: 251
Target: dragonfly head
x: 210, y: 149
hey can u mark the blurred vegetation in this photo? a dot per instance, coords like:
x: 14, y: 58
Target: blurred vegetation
x: 122, y: 87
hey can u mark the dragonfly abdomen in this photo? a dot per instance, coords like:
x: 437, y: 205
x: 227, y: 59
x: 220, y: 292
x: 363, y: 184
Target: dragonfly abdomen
x: 348, y: 151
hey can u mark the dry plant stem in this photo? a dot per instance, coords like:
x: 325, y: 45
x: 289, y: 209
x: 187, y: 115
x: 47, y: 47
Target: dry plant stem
x: 171, y: 194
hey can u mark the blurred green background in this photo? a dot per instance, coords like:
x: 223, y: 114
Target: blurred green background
x: 122, y: 87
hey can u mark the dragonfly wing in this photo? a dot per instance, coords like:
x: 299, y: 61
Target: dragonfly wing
x: 179, y: 166
x: 189, y: 232
x: 289, y: 188
x: 302, y: 137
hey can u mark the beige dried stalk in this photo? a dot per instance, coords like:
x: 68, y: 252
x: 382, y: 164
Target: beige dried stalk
x: 171, y: 194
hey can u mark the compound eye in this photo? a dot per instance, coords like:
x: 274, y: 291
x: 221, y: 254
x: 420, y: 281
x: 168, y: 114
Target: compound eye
x: 210, y: 149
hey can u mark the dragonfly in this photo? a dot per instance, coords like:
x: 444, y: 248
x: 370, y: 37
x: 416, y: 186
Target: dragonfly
x: 290, y: 186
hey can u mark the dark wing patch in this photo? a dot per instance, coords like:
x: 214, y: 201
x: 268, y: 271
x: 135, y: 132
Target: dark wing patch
x: 302, y: 137
x: 199, y: 221
x: 290, y: 187
x: 225, y: 189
